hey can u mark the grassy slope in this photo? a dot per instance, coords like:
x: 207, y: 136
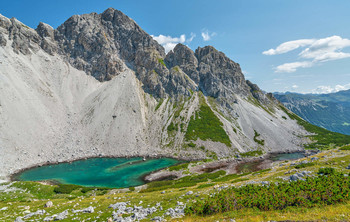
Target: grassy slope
x: 205, y: 125
x: 37, y: 195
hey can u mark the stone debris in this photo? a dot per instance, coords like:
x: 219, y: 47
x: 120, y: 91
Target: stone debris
x: 137, y: 212
x: 177, y: 212
x: 38, y: 212
x: 300, y: 176
x: 19, y: 219
x: 86, y: 210
x: 189, y: 192
x: 157, y: 219
x: 314, y: 158
x: 48, y: 204
x: 62, y: 215
x: 50, y: 218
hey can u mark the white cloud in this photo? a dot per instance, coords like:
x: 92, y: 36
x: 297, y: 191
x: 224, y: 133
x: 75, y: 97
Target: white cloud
x: 316, y: 51
x: 295, y: 86
x: 293, y: 66
x: 192, y: 37
x: 169, y: 42
x: 329, y: 89
x: 326, y: 49
x: 206, y: 35
x: 289, y: 46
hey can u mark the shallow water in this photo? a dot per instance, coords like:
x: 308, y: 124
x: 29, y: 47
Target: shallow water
x: 99, y: 172
x: 286, y: 156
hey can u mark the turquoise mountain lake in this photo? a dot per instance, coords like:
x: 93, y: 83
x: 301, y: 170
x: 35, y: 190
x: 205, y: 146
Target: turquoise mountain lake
x: 98, y: 172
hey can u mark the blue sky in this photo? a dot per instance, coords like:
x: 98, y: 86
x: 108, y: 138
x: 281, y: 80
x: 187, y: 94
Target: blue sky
x: 243, y: 29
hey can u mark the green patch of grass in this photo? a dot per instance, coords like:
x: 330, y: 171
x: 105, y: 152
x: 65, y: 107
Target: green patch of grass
x: 234, y: 130
x: 239, y: 180
x: 322, y: 138
x: 187, y: 181
x: 172, y: 127
x: 303, y: 165
x: 205, y: 185
x: 262, y: 171
x: 230, y: 177
x: 161, y: 61
x: 177, y: 68
x: 66, y: 188
x: 260, y: 142
x: 191, y: 144
x: 132, y: 188
x: 159, y: 104
x: 179, y: 167
x: 252, y: 153
x: 38, y: 190
x: 206, y: 126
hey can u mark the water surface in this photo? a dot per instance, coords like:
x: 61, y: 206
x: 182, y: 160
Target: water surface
x: 286, y: 156
x: 99, y: 172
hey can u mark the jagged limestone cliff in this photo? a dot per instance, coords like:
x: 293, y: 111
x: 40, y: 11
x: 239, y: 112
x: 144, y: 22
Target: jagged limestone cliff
x: 98, y: 85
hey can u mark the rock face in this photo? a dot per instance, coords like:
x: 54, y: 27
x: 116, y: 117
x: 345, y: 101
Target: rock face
x: 99, y: 85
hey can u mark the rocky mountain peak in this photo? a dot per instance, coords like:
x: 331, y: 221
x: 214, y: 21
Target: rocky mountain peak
x: 104, y: 45
x: 184, y: 57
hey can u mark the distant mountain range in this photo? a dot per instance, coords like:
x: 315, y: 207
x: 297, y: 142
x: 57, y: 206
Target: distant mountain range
x: 330, y: 111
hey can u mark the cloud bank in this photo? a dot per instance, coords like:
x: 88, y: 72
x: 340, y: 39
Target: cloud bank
x: 329, y: 89
x: 315, y: 51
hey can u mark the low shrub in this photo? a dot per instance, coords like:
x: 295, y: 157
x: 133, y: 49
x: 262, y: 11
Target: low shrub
x: 314, y: 191
x: 345, y: 147
x: 303, y: 165
x: 326, y: 171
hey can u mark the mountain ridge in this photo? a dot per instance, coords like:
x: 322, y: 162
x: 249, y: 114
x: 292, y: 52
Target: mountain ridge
x: 329, y: 111
x: 98, y: 85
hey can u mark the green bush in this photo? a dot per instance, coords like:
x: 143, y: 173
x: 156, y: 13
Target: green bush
x: 66, y: 188
x: 191, y: 144
x: 132, y: 188
x: 326, y: 171
x: 314, y: 191
x: 345, y: 147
